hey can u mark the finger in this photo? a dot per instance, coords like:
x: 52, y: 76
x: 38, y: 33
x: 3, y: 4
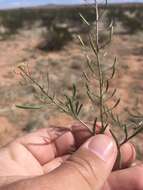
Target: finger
x: 50, y: 166
x: 52, y: 149
x: 83, y: 170
x: 81, y: 134
x: 128, y: 155
x: 127, y: 179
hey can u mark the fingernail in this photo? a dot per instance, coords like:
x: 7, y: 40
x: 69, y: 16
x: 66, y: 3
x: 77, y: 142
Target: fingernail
x: 102, y: 146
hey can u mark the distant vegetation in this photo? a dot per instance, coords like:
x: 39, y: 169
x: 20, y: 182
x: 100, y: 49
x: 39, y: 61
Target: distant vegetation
x: 130, y: 15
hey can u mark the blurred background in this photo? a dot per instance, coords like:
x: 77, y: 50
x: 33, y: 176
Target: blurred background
x: 43, y: 34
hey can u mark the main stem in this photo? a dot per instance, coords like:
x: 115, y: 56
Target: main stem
x: 99, y: 68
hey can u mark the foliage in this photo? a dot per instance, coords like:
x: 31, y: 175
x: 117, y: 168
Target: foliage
x: 131, y: 19
x: 55, y: 38
x: 130, y: 15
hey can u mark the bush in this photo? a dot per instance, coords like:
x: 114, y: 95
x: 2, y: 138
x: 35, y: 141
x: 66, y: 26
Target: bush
x: 56, y: 38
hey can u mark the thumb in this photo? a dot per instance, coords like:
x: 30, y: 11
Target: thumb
x: 88, y: 168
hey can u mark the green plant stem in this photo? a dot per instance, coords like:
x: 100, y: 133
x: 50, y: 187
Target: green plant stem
x: 119, y: 157
x: 133, y: 135
x: 84, y: 124
x: 42, y: 90
x: 52, y: 100
x: 99, y: 68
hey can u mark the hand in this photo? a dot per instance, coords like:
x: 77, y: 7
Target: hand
x: 42, y: 160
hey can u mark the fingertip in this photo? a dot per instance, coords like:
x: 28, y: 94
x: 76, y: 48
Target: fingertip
x: 80, y: 133
x: 64, y: 143
x: 128, y: 153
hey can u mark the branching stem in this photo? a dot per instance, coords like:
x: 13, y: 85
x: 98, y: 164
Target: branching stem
x: 99, y: 68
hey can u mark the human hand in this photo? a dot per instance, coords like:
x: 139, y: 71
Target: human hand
x: 45, y: 152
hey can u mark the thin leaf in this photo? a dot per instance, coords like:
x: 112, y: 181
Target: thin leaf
x: 135, y: 116
x: 74, y: 91
x: 113, y: 68
x: 76, y: 106
x: 86, y: 77
x: 139, y: 130
x: 71, y: 107
x: 92, y: 45
x: 79, y: 109
x: 116, y: 104
x: 111, y: 30
x: 87, y: 86
x: 89, y: 64
x: 84, y: 20
x: 126, y: 132
x: 29, y: 106
x: 81, y: 41
x: 105, y: 126
x: 113, y: 93
x: 118, y: 121
x: 48, y: 82
x: 110, y: 96
x: 107, y: 86
x: 90, y: 97
x: 94, y: 126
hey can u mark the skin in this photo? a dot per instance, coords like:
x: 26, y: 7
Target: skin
x: 30, y: 161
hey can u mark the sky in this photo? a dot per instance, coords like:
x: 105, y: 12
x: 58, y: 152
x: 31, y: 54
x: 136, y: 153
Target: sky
x: 22, y: 3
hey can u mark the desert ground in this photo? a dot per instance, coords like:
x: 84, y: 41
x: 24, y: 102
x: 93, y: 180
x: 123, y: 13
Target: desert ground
x: 64, y: 67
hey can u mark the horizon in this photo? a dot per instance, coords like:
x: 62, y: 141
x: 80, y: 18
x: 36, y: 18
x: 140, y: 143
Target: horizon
x: 6, y: 4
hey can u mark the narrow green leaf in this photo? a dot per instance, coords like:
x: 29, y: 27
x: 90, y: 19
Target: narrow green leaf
x: 116, y: 104
x: 74, y: 91
x: 71, y: 107
x: 86, y: 77
x: 135, y: 116
x: 81, y: 41
x: 84, y: 20
x: 105, y: 126
x: 113, y: 68
x: 29, y: 106
x: 89, y: 64
x: 90, y: 97
x: 92, y: 45
x: 110, y: 96
x: 79, y: 109
x: 107, y: 86
x: 76, y: 106
x: 126, y: 132
x: 118, y: 121
x: 87, y: 86
x: 94, y: 125
x: 111, y: 32
x: 113, y: 93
